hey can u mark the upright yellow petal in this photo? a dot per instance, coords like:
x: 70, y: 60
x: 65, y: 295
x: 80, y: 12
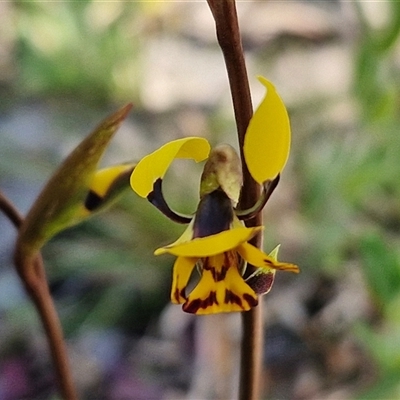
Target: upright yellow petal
x: 211, y: 245
x: 155, y: 165
x: 267, y: 141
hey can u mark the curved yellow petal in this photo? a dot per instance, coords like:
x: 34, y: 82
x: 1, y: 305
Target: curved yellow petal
x: 155, y: 165
x: 183, y: 268
x: 211, y: 245
x: 258, y: 258
x: 267, y: 141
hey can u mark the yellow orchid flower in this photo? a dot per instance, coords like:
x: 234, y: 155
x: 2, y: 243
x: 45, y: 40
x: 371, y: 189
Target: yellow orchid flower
x: 216, y: 241
x: 221, y: 287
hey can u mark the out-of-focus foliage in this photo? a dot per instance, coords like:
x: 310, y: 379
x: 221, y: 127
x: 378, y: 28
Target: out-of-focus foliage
x: 376, y: 86
x: 331, y: 331
x: 82, y: 49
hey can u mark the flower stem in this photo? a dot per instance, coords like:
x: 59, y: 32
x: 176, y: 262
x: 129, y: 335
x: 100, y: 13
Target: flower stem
x: 33, y: 276
x: 228, y: 35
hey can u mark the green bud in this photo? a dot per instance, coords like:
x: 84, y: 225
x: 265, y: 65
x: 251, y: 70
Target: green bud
x: 223, y: 169
x: 64, y: 194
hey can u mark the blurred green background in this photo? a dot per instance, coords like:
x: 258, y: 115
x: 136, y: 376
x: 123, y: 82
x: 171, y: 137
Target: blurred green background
x: 333, y: 331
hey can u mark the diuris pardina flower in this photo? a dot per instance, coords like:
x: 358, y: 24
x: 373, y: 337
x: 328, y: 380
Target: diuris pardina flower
x: 216, y: 241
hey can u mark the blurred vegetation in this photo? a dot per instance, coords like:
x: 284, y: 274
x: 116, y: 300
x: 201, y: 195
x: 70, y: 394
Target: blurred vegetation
x: 336, y: 210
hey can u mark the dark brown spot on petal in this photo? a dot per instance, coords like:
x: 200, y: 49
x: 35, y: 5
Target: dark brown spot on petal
x: 269, y: 263
x: 93, y: 201
x: 195, y: 305
x: 218, y: 276
x: 179, y: 295
x: 251, y: 301
x: 231, y: 297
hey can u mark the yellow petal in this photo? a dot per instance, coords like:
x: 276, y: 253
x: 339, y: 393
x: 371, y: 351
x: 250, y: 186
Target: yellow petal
x: 184, y: 238
x: 267, y: 141
x: 221, y: 288
x: 155, y: 165
x: 258, y: 258
x: 104, y: 178
x: 183, y: 268
x: 106, y: 186
x: 211, y: 245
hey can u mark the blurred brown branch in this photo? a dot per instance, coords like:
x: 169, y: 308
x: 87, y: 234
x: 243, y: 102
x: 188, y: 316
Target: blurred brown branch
x: 33, y: 276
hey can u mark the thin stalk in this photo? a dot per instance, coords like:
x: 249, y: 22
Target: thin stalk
x: 33, y: 276
x: 228, y: 35
x: 10, y: 211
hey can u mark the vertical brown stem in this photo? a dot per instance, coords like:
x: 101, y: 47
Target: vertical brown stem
x: 32, y: 274
x: 228, y: 35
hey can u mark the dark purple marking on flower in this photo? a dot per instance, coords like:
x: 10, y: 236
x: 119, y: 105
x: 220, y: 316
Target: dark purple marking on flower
x: 261, y: 283
x: 214, y: 214
x: 251, y: 301
x: 156, y: 198
x: 93, y: 201
x: 233, y: 298
x: 218, y: 275
x: 179, y: 295
x: 194, y: 306
x: 268, y: 262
